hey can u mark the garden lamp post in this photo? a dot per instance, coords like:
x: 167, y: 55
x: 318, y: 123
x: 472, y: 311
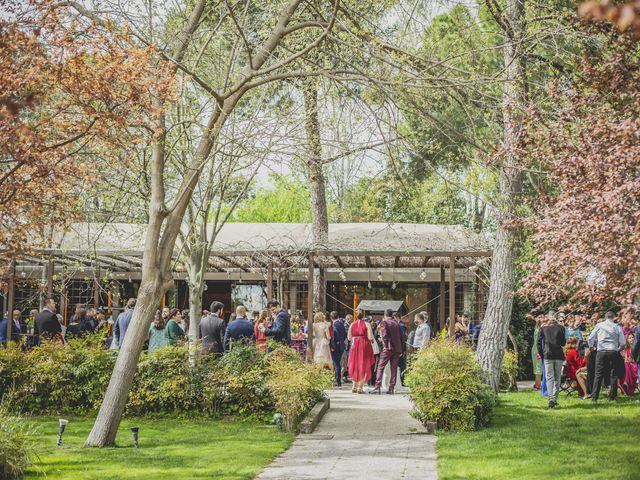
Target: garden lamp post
x: 63, y: 423
x: 134, y: 431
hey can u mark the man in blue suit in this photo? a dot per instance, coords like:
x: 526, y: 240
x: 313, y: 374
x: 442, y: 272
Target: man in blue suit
x: 280, y: 329
x: 239, y: 329
x: 339, y: 338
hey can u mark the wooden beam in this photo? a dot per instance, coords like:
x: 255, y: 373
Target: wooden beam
x: 310, y: 309
x: 425, y: 261
x: 270, y: 282
x: 396, y: 262
x: 441, y: 299
x: 233, y: 263
x: 367, y: 261
x: 452, y: 295
x: 339, y: 261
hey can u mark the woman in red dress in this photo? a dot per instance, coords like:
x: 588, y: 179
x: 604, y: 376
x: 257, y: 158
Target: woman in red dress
x: 258, y: 330
x: 575, y: 363
x: 361, y: 353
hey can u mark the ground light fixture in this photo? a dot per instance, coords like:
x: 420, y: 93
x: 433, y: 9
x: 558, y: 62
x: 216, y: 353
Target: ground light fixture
x: 62, y: 424
x: 134, y: 432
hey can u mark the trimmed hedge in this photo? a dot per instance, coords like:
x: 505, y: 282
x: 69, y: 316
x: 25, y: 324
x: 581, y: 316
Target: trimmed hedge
x: 447, y: 388
x: 54, y: 379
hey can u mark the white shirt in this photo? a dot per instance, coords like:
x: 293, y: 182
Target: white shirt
x: 607, y: 336
x: 422, y: 336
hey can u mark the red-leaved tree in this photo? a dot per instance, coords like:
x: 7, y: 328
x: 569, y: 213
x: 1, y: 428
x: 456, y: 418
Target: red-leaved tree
x: 588, y: 234
x: 69, y: 95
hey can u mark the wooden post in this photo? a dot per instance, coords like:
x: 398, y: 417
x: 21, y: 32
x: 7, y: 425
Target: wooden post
x: 310, y: 310
x: 96, y: 286
x: 441, y: 299
x: 11, y: 299
x: 63, y: 299
x: 480, y: 308
x: 50, y: 272
x: 270, y: 282
x: 452, y: 296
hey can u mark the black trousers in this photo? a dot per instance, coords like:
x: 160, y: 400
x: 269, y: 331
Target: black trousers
x: 336, y: 356
x: 606, y: 361
x: 591, y: 370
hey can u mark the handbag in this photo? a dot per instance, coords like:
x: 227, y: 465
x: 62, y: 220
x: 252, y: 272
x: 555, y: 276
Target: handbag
x: 376, y: 347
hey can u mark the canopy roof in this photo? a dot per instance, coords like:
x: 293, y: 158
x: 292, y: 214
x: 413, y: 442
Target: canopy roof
x: 379, y: 306
x: 247, y: 246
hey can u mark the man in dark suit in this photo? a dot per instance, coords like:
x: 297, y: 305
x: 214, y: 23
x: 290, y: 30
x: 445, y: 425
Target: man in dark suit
x: 280, y: 330
x: 18, y: 328
x: 238, y: 329
x: 47, y: 324
x: 550, y: 347
x: 212, y: 329
x: 339, y: 338
x: 392, y: 340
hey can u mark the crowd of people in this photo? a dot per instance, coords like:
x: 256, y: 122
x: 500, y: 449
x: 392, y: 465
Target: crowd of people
x: 360, y: 350
x: 586, y: 354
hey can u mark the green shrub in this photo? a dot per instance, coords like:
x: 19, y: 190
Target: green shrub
x: 245, y: 382
x: 165, y: 382
x: 295, y: 385
x: 50, y: 378
x: 446, y: 387
x: 242, y: 374
x: 509, y: 372
x: 16, y: 449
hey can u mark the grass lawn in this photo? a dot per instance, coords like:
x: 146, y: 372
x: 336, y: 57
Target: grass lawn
x: 529, y: 441
x: 169, y: 448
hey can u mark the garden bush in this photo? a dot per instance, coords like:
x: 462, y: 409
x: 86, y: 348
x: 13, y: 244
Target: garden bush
x: 165, y: 382
x: 54, y: 379
x: 295, y: 385
x: 509, y: 372
x: 16, y: 449
x: 446, y: 387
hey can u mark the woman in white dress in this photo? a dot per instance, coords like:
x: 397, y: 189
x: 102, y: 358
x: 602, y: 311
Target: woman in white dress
x: 321, y: 340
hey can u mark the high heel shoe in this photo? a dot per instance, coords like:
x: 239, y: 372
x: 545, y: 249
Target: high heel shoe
x: 375, y: 390
x: 390, y: 391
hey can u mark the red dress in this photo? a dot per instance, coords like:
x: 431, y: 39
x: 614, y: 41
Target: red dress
x: 574, y: 362
x: 261, y: 338
x: 361, y: 357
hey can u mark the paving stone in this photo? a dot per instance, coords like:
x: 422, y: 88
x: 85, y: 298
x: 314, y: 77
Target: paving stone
x: 361, y: 436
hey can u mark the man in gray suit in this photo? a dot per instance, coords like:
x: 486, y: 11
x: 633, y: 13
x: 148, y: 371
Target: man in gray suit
x: 212, y: 329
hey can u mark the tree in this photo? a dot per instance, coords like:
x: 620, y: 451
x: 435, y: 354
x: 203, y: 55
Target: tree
x: 495, y: 326
x: 85, y: 87
x: 587, y: 232
x: 271, y: 43
x: 626, y: 17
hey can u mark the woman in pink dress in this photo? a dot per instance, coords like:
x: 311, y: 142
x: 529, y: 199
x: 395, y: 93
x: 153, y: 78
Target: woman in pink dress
x: 361, y: 353
x: 630, y: 381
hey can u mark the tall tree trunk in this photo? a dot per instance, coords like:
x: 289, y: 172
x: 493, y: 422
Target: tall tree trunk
x: 317, y: 191
x: 495, y: 327
x: 196, y: 268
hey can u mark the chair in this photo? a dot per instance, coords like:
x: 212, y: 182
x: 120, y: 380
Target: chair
x: 566, y: 383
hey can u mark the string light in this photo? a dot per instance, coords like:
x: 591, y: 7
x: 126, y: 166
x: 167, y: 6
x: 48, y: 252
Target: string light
x: 423, y: 274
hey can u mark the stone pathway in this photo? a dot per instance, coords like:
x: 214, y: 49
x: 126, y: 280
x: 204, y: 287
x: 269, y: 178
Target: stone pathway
x: 361, y: 436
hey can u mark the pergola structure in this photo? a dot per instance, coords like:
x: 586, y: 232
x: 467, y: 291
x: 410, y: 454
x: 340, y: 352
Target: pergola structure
x: 253, y: 251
